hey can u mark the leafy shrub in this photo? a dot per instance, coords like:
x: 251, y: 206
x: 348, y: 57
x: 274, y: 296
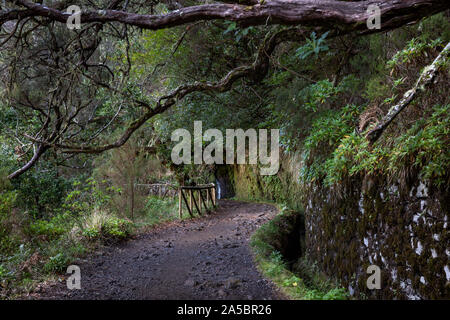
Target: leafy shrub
x: 293, y: 281
x: 86, y: 197
x: 7, y: 201
x: 333, y: 294
x: 49, y: 229
x: 415, y: 49
x: 423, y: 146
x: 277, y: 264
x: 91, y: 233
x: 155, y: 204
x: 106, y: 228
x: 116, y: 229
x: 159, y: 210
x: 336, y: 294
x: 318, y: 94
x: 57, y: 263
x: 325, y: 135
x: 313, y: 45
x: 41, y: 192
x: 334, y: 151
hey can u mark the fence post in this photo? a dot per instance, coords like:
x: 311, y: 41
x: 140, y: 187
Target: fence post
x: 180, y: 204
x: 191, y: 205
x: 204, y: 202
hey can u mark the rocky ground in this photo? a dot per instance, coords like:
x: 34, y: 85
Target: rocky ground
x: 203, y: 258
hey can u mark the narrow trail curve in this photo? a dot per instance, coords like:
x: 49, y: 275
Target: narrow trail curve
x: 205, y: 258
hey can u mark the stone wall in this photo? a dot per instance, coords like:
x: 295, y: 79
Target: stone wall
x: 401, y: 229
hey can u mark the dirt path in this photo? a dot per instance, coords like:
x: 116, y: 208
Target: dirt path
x: 206, y: 258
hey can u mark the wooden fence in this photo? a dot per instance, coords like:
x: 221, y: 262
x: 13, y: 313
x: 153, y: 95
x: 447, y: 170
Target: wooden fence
x: 205, y: 194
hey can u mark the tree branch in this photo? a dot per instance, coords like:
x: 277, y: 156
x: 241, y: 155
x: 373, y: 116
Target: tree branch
x: 425, y: 79
x: 38, y: 152
x: 342, y: 15
x: 255, y: 71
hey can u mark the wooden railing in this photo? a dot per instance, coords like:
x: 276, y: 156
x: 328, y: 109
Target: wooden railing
x: 205, y: 195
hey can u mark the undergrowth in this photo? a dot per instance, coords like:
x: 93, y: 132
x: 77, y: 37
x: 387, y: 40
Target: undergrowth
x: 33, y: 250
x: 336, y: 149
x: 302, y: 282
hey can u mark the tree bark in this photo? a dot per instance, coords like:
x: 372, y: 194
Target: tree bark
x: 344, y: 15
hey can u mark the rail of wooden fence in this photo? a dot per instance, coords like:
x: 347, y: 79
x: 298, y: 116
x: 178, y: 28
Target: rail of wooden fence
x: 210, y: 197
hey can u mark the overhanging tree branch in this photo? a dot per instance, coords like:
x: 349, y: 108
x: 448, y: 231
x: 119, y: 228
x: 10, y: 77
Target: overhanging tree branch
x: 338, y: 16
x: 342, y: 15
x: 255, y: 71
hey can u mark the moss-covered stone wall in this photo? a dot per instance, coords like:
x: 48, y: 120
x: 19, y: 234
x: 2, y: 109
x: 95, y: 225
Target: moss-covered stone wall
x: 401, y: 228
x: 282, y: 187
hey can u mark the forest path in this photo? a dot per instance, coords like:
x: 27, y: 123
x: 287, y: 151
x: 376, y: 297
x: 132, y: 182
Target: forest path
x: 204, y: 258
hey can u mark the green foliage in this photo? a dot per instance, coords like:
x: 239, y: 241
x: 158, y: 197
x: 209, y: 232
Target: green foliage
x: 237, y: 32
x: 57, y: 263
x: 415, y: 49
x: 92, y: 233
x: 87, y: 196
x: 317, y: 94
x: 376, y: 89
x: 423, y: 146
x: 116, y: 229
x: 41, y: 191
x: 336, y: 294
x: 325, y: 135
x: 50, y: 229
x: 158, y: 210
x: 7, y: 202
x: 157, y: 205
x: 152, y: 50
x: 313, y: 45
x: 352, y: 156
x: 5, y: 183
x: 106, y: 228
x: 298, y: 103
x: 277, y: 265
x: 332, y: 294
